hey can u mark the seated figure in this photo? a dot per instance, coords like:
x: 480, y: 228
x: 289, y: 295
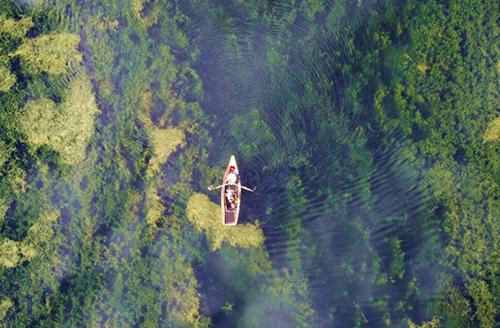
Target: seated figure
x: 232, y: 177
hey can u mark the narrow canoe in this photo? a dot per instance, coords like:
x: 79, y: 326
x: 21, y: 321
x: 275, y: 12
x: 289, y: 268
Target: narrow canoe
x: 230, y: 211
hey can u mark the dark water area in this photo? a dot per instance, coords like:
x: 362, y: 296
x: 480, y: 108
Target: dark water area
x: 372, y: 177
x: 304, y: 142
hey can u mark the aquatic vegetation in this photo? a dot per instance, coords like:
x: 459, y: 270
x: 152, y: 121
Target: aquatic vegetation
x: 10, y: 253
x: 205, y: 215
x: 14, y: 28
x: 8, y: 79
x: 67, y: 127
x: 164, y: 142
x: 492, y: 133
x: 183, y: 300
x: 3, y: 209
x: 370, y: 129
x: 5, y: 305
x: 51, y: 53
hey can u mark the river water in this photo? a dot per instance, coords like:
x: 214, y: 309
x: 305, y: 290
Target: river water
x: 344, y: 208
x: 317, y: 164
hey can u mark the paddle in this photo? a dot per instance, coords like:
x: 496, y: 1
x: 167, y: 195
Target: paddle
x: 213, y: 188
x: 242, y: 187
x: 246, y: 188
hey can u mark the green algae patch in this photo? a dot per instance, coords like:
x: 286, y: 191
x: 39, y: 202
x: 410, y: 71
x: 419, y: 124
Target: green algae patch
x: 183, y: 300
x: 7, y: 79
x: 5, y: 305
x: 14, y: 29
x: 51, y: 53
x: 67, y: 127
x: 9, y: 253
x: 3, y: 209
x: 165, y: 142
x: 205, y: 215
x: 493, y: 131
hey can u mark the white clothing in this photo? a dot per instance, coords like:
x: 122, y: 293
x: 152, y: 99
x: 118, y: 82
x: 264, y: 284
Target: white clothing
x: 230, y: 195
x: 231, y: 178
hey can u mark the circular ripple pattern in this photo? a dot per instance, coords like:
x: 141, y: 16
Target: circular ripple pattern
x: 338, y: 199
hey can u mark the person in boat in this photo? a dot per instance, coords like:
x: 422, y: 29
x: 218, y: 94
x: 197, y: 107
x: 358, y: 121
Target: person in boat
x: 232, y: 177
x: 231, y: 197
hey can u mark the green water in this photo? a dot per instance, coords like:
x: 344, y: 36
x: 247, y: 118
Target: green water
x: 369, y: 129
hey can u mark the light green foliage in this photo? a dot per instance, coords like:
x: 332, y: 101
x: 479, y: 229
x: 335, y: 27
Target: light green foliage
x: 4, y: 152
x: 484, y: 301
x: 492, y: 133
x: 14, y: 28
x: 434, y: 323
x: 182, y: 297
x: 51, y: 53
x: 205, y: 215
x: 154, y: 206
x: 145, y: 20
x: 3, y: 209
x: 10, y: 255
x: 137, y: 6
x: 397, y: 268
x: 17, y: 179
x: 165, y: 142
x: 40, y: 238
x: 42, y: 232
x: 66, y: 128
x: 5, y: 305
x: 7, y: 79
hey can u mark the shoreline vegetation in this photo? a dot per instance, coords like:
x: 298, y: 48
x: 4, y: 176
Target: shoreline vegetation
x: 110, y: 113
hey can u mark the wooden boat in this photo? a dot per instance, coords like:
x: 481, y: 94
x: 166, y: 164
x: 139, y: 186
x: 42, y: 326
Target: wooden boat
x: 230, y: 209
